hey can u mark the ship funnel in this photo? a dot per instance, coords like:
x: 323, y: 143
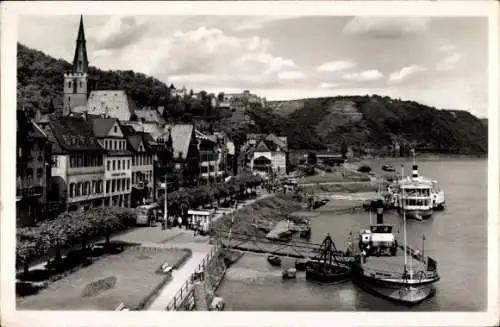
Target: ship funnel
x: 414, y: 173
x: 380, y: 212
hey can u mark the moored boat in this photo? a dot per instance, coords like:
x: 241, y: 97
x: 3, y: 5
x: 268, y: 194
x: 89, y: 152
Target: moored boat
x: 289, y: 273
x: 274, y: 260
x: 301, y: 264
x: 394, y: 276
x: 327, y: 269
x: 388, y: 168
x: 419, y: 196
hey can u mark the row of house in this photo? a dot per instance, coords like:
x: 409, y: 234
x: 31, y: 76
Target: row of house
x: 98, y: 149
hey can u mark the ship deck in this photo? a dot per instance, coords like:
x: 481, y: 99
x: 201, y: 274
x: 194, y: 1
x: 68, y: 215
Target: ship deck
x: 393, y: 264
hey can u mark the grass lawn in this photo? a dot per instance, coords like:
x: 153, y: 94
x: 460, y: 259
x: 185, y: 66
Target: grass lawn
x: 129, y: 277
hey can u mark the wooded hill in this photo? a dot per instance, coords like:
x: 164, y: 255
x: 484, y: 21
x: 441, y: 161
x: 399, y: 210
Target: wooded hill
x: 365, y: 122
x: 373, y: 122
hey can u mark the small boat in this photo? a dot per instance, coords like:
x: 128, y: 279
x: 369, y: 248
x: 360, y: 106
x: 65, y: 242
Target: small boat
x: 328, y: 269
x: 301, y: 264
x: 274, y: 260
x: 388, y: 168
x: 289, y: 273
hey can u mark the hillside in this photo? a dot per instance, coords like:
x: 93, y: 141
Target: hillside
x: 40, y: 81
x: 367, y: 123
x: 373, y: 122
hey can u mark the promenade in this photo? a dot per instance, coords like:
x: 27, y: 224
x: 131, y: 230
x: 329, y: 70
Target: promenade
x: 170, y: 238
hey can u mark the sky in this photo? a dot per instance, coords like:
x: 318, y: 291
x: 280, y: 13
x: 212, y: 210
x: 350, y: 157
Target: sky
x: 438, y: 61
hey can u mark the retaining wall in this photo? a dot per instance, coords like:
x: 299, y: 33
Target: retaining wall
x: 199, y: 291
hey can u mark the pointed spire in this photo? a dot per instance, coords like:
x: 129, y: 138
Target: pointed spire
x: 80, y: 61
x: 81, y: 32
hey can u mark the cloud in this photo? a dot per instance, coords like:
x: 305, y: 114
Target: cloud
x: 449, y: 63
x: 120, y: 32
x: 333, y: 66
x: 447, y: 47
x: 405, y: 72
x: 386, y: 27
x: 291, y: 75
x: 367, y: 75
x: 326, y: 85
x: 253, y: 23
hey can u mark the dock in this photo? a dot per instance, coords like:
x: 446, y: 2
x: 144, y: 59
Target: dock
x: 282, y: 229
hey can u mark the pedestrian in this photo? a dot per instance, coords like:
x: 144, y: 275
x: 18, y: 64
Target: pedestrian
x: 179, y: 222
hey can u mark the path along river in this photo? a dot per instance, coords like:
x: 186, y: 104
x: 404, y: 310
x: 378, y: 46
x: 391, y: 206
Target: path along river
x: 456, y: 238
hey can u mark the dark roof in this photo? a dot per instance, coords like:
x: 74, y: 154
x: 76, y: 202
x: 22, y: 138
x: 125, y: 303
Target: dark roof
x: 101, y: 126
x: 73, y: 134
x: 128, y: 130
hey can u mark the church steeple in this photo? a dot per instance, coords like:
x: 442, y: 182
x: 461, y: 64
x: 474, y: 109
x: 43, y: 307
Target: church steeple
x: 80, y: 61
x: 76, y: 82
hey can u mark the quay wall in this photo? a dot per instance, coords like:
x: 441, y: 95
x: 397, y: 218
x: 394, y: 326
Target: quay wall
x: 199, y: 291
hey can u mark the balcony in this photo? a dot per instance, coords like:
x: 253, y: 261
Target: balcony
x: 28, y: 192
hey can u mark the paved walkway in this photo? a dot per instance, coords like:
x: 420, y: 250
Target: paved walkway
x: 169, y: 238
x: 180, y: 277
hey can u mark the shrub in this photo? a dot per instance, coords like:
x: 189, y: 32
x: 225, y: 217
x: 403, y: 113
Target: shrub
x: 365, y: 169
x: 96, y: 287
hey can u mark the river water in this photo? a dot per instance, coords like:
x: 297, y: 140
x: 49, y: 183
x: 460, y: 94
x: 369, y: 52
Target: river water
x: 455, y: 237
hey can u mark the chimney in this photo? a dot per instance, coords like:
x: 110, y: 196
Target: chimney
x: 414, y: 173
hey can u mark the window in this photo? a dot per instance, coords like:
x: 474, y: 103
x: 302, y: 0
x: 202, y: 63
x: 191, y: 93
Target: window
x: 108, y: 165
x: 54, y: 161
x: 116, y: 129
x: 78, y: 189
x: 119, y: 163
x: 81, y: 85
x: 69, y: 85
x: 39, y: 175
x: 128, y: 164
x: 106, y: 144
x: 128, y: 183
x: 118, y: 184
x: 71, y: 190
x: 108, y: 186
x: 113, y: 185
x: 114, y: 165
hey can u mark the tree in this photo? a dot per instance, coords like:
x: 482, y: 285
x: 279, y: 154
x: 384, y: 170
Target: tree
x: 311, y: 158
x: 220, y: 96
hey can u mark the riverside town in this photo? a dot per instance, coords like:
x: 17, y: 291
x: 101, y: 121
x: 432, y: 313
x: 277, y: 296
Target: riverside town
x: 133, y: 195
